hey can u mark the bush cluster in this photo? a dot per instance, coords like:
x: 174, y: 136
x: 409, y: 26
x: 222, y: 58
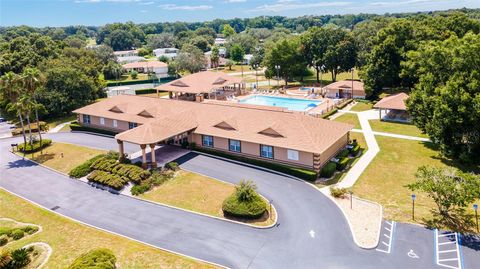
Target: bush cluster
x: 75, y: 126
x: 35, y: 146
x: 343, y: 153
x: 18, y: 258
x: 342, y: 163
x: 328, y: 170
x: 157, y: 178
x: 355, y: 150
x: 330, y: 113
x: 129, y: 171
x: 15, y: 233
x: 245, y: 202
x: 338, y: 192
x: 101, y: 258
x: 172, y: 166
x: 114, y: 181
x: 84, y: 168
x: 306, y: 174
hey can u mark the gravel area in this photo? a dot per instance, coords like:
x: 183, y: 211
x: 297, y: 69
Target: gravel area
x: 365, y: 220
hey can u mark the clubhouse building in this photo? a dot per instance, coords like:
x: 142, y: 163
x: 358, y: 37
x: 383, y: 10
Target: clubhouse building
x: 257, y: 132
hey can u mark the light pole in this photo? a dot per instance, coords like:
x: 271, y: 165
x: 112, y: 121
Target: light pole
x: 321, y: 71
x: 277, y: 67
x: 475, y: 207
x: 352, y: 80
x: 413, y: 205
x: 255, y: 66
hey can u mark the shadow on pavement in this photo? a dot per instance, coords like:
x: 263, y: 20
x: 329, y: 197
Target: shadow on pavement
x: 471, y: 241
x: 189, y: 156
x: 21, y: 163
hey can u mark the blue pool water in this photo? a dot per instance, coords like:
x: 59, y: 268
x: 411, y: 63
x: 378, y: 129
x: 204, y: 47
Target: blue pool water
x: 289, y: 103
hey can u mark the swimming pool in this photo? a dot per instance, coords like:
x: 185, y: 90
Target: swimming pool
x: 289, y: 103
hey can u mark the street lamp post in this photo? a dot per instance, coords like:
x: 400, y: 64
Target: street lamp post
x: 413, y: 206
x: 277, y: 67
x: 255, y: 66
x: 475, y: 207
x: 321, y: 71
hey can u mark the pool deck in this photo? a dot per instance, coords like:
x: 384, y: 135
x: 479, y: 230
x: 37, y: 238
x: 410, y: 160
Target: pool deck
x: 325, y: 106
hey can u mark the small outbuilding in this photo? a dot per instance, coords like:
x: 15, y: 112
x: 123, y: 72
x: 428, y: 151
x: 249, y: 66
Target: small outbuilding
x: 393, y: 108
x: 159, y: 68
x: 345, y: 89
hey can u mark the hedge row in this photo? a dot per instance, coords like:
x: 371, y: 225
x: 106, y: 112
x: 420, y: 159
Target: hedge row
x: 129, y: 82
x: 333, y: 111
x: 114, y: 181
x: 131, y: 172
x: 75, y: 126
x: 36, y: 146
x: 146, y: 91
x: 33, y: 127
x: 101, y: 258
x: 297, y: 172
x: 328, y: 170
x: 344, y: 104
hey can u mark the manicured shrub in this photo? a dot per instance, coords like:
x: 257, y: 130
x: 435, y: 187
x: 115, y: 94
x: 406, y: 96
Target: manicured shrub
x: 328, y: 170
x: 19, y: 258
x: 101, y: 258
x: 17, y: 234
x: 245, y: 202
x: 35, y: 146
x: 294, y: 171
x: 84, y: 168
x: 75, y: 126
x: 330, y: 113
x: 113, y: 181
x: 104, y: 164
x: 343, y: 153
x: 142, y: 188
x: 338, y: 192
x: 342, y: 164
x: 30, y: 229
x: 355, y: 150
x: 172, y: 166
x: 3, y: 241
x: 131, y: 172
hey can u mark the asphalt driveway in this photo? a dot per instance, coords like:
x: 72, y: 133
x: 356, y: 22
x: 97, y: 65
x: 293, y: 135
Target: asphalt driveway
x: 291, y: 244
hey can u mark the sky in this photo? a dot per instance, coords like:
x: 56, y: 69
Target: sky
x: 99, y: 12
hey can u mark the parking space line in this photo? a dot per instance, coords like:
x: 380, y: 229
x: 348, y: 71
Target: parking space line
x: 443, y: 247
x: 388, y: 237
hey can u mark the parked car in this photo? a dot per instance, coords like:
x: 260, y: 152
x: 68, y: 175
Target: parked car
x: 2, y: 120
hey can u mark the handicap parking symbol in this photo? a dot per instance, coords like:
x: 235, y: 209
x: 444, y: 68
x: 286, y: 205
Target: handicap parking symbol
x: 412, y: 254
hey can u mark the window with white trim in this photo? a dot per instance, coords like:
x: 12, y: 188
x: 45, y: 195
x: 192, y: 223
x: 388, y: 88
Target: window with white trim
x: 132, y: 125
x: 266, y: 151
x: 207, y: 141
x: 86, y: 119
x: 102, y: 121
x: 292, y: 154
x: 115, y: 123
x: 234, y: 145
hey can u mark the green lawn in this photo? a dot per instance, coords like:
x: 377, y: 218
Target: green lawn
x: 64, y: 157
x: 141, y: 76
x: 196, y: 193
x: 396, y: 128
x: 53, y: 122
x: 70, y: 239
x: 362, y: 106
x: 349, y: 118
x: 394, y: 167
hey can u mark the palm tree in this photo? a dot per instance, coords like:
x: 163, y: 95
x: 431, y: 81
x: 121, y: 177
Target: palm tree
x: 10, y: 90
x: 26, y: 104
x: 32, y: 81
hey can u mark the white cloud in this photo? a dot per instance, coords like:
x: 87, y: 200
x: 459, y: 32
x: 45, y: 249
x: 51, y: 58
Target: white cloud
x: 185, y: 7
x: 112, y: 1
x: 147, y: 3
x: 235, y: 1
x: 283, y: 5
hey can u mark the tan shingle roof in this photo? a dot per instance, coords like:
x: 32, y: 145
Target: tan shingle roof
x: 347, y: 85
x: 171, y: 117
x: 394, y: 101
x: 201, y: 82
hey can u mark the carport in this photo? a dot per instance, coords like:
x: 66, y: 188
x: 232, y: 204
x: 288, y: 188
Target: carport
x: 162, y: 131
x: 393, y: 108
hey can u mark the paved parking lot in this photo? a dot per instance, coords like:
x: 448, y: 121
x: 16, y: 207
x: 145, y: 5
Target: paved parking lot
x: 5, y: 130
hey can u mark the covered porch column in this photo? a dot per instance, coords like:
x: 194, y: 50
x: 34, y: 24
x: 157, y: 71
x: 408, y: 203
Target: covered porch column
x: 152, y: 152
x: 144, y: 156
x: 121, y: 156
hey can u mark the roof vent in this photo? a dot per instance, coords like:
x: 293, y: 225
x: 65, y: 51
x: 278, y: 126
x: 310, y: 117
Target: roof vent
x: 145, y: 114
x: 224, y: 125
x: 179, y: 83
x: 115, y: 109
x: 271, y: 132
x: 219, y: 81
